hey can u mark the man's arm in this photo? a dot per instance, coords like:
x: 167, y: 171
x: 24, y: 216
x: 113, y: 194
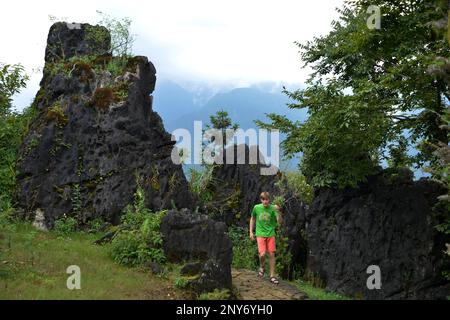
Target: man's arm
x: 252, y: 223
x: 279, y: 218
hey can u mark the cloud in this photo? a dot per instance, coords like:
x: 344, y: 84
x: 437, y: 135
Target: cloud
x: 230, y: 42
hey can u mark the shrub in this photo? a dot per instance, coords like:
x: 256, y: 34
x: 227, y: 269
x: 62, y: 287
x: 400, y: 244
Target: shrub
x: 181, y: 283
x: 13, y: 127
x: 284, y: 265
x: 278, y: 200
x: 245, y: 251
x: 295, y: 182
x: 94, y: 225
x: 128, y: 248
x: 6, y: 217
x: 139, y: 239
x: 200, y: 182
x: 65, y: 225
x: 116, y: 66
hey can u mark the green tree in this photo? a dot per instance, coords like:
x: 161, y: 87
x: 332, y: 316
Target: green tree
x: 121, y: 37
x: 367, y: 88
x: 12, y: 129
x: 12, y: 80
x: 200, y: 180
x: 222, y: 121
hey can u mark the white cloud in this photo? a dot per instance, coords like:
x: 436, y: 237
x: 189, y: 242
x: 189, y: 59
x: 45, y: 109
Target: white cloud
x: 216, y: 42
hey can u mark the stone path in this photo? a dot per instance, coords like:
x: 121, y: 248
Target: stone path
x: 251, y: 287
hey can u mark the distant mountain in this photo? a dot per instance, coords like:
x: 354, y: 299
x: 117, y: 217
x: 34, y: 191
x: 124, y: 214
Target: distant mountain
x: 244, y: 105
x: 171, y: 101
x: 177, y: 108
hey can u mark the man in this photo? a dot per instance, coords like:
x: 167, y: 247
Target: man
x: 267, y: 218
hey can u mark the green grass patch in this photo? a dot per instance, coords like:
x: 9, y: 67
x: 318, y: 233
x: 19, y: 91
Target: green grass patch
x: 33, y: 265
x: 315, y: 293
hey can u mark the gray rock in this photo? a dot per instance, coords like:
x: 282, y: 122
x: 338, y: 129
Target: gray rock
x: 196, y: 238
x: 86, y: 145
x: 39, y: 220
x: 191, y: 269
x: 385, y: 222
x: 68, y: 40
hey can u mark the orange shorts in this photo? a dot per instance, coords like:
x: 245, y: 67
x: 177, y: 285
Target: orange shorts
x: 266, y: 244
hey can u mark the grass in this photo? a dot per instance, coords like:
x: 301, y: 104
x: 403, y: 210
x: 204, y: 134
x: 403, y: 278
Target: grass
x: 33, y: 266
x: 315, y: 293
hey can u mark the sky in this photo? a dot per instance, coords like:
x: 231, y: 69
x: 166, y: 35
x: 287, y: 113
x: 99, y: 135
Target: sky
x: 195, y: 43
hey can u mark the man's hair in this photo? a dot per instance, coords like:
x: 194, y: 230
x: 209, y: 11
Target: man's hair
x: 264, y: 195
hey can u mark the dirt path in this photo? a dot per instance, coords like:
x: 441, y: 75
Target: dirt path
x: 250, y: 287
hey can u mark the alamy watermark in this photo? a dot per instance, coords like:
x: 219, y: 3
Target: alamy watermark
x: 374, y: 280
x: 74, y: 280
x: 194, y: 150
x: 374, y: 20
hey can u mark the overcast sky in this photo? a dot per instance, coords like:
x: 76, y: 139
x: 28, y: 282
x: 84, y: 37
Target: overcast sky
x: 230, y: 43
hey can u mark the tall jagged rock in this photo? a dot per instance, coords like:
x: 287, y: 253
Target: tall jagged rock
x: 95, y: 132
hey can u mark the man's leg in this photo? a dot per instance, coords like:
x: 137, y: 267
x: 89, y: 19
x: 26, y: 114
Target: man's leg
x: 272, y: 264
x: 262, y: 260
x: 271, y: 249
x: 262, y: 248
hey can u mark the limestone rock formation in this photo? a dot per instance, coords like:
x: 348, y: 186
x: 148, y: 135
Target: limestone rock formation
x: 236, y: 186
x: 385, y: 222
x: 95, y: 132
x: 203, y: 244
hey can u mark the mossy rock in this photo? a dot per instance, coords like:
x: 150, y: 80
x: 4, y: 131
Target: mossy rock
x: 55, y: 113
x: 102, y: 98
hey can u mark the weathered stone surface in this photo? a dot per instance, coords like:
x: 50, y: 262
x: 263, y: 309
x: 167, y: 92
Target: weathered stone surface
x: 384, y: 222
x: 191, y: 268
x: 66, y: 40
x: 236, y: 186
x: 196, y: 238
x: 93, y: 134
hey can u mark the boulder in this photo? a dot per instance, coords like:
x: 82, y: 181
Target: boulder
x: 204, y: 244
x: 389, y: 222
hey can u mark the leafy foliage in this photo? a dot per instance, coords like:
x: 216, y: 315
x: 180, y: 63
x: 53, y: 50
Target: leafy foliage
x: 295, y: 182
x: 200, y: 182
x: 65, y: 225
x: 121, y: 41
x: 284, y: 265
x: 367, y: 88
x: 139, y: 239
x: 221, y: 121
x: 245, y: 252
x: 121, y: 37
x: 12, y: 80
x: 13, y: 127
x: 181, y: 283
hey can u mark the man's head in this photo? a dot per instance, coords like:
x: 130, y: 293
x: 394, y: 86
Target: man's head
x: 265, y: 198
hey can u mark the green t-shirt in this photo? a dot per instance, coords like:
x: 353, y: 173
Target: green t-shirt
x: 266, y: 220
